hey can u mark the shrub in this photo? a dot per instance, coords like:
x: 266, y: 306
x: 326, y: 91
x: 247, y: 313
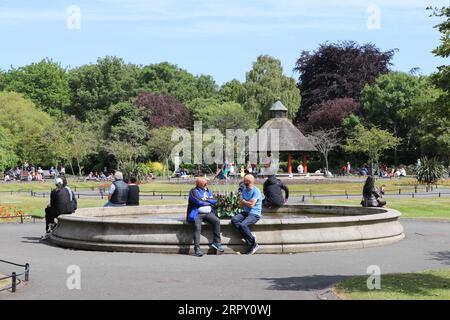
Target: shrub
x: 430, y: 171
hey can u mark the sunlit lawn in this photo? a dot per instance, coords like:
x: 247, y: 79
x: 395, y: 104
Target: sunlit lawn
x: 429, y: 285
x: 296, y: 186
x: 410, y: 208
x: 418, y: 207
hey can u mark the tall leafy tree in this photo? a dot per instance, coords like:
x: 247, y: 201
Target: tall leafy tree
x: 399, y: 102
x: 330, y: 113
x: 166, y: 78
x: 45, y: 83
x: 95, y: 87
x: 372, y: 142
x: 28, y: 126
x: 338, y: 70
x: 8, y: 157
x: 227, y: 115
x: 160, y: 145
x: 265, y: 83
x: 233, y: 91
x: 164, y: 111
x: 126, y: 123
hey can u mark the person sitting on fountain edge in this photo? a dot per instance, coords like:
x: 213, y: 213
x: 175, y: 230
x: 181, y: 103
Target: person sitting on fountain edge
x: 272, y: 191
x: 371, y: 196
x: 118, y: 192
x: 251, y: 201
x: 201, y: 208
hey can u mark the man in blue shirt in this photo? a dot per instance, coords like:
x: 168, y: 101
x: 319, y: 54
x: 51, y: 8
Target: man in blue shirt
x: 251, y: 201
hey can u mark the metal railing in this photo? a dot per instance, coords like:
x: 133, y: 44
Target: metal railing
x: 21, y: 217
x: 15, y: 277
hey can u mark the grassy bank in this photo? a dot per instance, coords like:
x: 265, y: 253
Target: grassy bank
x: 426, y: 285
x: 410, y: 208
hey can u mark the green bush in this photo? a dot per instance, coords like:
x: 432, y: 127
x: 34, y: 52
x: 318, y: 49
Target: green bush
x: 430, y: 171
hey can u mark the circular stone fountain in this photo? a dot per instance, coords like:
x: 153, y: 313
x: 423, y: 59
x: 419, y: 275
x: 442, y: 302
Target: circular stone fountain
x: 290, y: 229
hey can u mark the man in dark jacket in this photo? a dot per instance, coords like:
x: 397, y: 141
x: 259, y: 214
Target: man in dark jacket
x: 59, y: 204
x: 133, y: 193
x: 118, y: 192
x: 201, y: 208
x: 272, y: 191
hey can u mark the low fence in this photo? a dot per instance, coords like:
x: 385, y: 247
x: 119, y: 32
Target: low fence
x: 15, y: 277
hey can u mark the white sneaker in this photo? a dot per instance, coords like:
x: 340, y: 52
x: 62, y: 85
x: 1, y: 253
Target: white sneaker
x: 46, y: 236
x: 253, y: 249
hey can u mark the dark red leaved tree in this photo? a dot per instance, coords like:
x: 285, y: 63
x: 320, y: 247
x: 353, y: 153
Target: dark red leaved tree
x: 338, y: 70
x: 165, y: 111
x: 329, y: 114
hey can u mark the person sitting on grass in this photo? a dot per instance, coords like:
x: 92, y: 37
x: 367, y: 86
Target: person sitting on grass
x: 251, y: 202
x: 371, y: 196
x: 201, y: 208
x: 60, y: 203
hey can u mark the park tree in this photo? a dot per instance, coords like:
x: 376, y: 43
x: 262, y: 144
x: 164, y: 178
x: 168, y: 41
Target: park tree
x: 442, y: 77
x: 164, y: 111
x: 325, y: 141
x: 45, y: 83
x: 371, y: 142
x: 265, y: 83
x: 8, y: 157
x: 73, y: 141
x: 127, y: 155
x: 228, y: 115
x: 160, y: 146
x: 338, y: 70
x: 27, y: 126
x: 199, y: 106
x: 329, y: 114
x: 95, y: 87
x: 126, y: 123
x: 166, y: 78
x: 233, y: 91
x: 403, y: 104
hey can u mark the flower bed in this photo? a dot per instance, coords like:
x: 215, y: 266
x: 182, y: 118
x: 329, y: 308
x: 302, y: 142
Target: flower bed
x: 10, y: 214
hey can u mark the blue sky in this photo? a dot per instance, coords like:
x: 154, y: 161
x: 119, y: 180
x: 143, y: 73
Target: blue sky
x: 217, y: 37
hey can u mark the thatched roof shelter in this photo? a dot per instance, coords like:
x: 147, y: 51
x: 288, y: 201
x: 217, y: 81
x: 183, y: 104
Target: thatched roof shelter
x: 290, y: 137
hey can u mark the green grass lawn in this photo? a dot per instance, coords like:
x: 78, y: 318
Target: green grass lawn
x: 410, y: 208
x: 324, y: 187
x: 426, y: 285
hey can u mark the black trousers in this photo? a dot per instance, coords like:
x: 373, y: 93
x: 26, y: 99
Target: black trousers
x: 211, y: 219
x: 50, y: 216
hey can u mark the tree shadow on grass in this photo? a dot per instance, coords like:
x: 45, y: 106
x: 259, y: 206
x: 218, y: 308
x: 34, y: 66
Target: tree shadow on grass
x: 306, y: 283
x: 443, y: 256
x: 404, y: 285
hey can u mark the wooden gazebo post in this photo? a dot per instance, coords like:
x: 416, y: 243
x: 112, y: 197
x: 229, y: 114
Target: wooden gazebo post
x: 305, y: 162
x: 289, y: 163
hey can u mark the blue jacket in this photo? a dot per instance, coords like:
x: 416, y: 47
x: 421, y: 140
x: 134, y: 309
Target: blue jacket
x: 195, y: 201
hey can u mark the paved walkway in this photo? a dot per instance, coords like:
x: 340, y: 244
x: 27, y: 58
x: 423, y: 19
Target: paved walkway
x: 156, y: 276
